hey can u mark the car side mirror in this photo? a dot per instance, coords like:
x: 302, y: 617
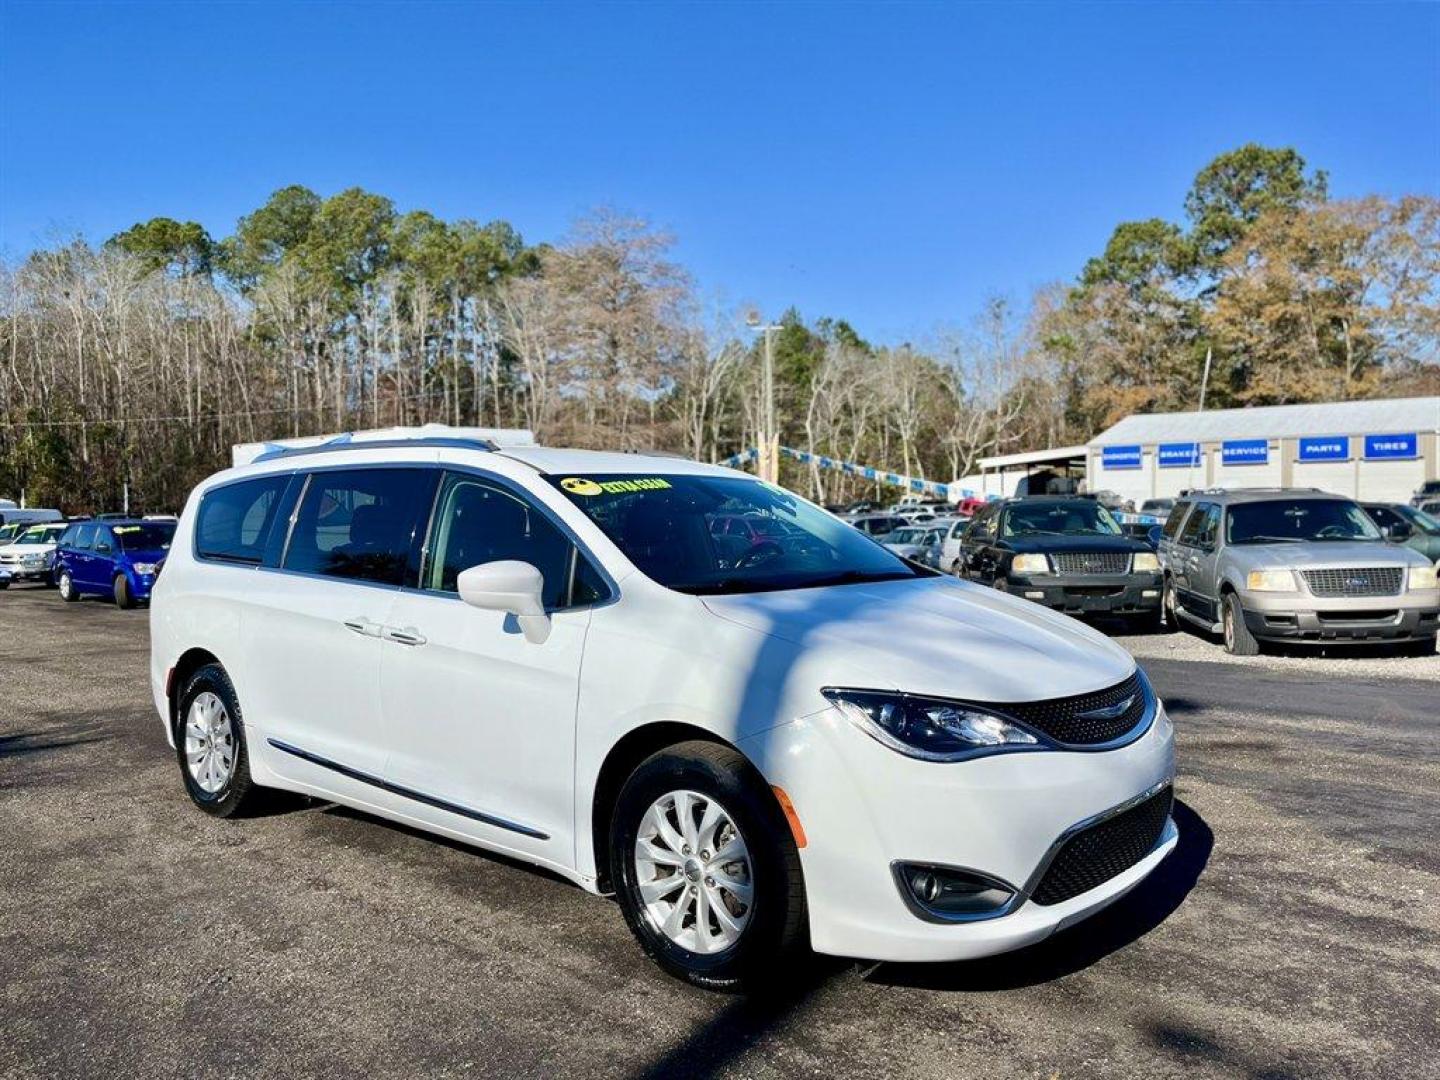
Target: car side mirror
x: 510, y: 586
x: 1401, y: 530
x: 1154, y: 533
x: 103, y: 549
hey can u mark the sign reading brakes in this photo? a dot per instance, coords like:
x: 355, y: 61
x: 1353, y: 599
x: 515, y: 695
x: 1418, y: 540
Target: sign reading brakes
x: 579, y: 485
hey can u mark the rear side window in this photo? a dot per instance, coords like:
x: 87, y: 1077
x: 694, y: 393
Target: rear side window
x: 1203, y: 526
x: 1172, y: 523
x: 360, y: 524
x: 234, y: 521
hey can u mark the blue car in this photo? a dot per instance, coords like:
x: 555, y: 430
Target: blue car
x: 112, y: 558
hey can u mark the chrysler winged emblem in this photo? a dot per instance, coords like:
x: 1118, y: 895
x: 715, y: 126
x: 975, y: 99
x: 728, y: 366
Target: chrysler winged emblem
x: 1107, y: 712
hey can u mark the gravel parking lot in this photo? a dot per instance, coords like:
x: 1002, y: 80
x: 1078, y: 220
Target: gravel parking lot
x: 1294, y: 933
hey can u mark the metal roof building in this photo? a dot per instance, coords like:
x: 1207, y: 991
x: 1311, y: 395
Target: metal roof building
x: 1381, y: 449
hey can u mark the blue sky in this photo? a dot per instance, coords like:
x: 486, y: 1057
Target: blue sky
x: 889, y: 164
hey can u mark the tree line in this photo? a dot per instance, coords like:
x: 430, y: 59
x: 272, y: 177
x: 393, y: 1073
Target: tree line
x: 141, y: 361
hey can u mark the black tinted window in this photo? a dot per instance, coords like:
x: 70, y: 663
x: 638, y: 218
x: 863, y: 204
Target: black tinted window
x: 1172, y: 523
x: 359, y: 523
x: 1203, y: 526
x: 479, y: 522
x: 234, y: 521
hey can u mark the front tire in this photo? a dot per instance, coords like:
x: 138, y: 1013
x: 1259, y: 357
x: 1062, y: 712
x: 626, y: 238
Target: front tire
x: 66, y: 584
x: 210, y: 745
x: 124, y: 598
x: 1238, y: 639
x: 706, y: 869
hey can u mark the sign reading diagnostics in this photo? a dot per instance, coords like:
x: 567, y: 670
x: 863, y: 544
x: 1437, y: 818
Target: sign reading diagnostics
x: 1120, y: 457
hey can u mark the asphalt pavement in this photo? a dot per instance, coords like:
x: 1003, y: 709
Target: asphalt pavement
x: 1295, y: 932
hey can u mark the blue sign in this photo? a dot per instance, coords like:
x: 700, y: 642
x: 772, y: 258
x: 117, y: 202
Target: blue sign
x: 1325, y: 448
x: 1178, y: 455
x: 1245, y: 452
x: 1405, y: 446
x: 1120, y: 457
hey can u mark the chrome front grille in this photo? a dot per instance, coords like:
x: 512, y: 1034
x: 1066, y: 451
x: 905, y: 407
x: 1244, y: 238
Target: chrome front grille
x: 1361, y: 581
x: 1091, y: 562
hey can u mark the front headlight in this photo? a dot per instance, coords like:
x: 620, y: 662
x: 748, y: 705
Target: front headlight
x: 146, y: 568
x: 1030, y: 564
x: 1145, y: 562
x: 1270, y: 581
x: 1424, y: 577
x: 928, y: 729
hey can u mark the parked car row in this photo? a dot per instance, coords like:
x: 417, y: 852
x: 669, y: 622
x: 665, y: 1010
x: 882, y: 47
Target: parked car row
x: 1251, y: 565
x: 113, y: 555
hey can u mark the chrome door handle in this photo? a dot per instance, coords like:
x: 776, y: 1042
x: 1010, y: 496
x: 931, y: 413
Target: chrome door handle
x: 404, y: 635
x: 363, y: 626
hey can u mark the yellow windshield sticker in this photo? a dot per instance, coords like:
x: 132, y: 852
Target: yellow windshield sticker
x: 578, y: 485
x: 126, y: 528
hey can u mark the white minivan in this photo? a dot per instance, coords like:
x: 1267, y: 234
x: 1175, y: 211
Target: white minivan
x: 758, y: 740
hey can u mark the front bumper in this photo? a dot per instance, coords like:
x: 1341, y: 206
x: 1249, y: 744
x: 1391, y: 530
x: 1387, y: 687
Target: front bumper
x: 1080, y: 594
x: 864, y: 807
x: 27, y: 571
x: 1407, y: 616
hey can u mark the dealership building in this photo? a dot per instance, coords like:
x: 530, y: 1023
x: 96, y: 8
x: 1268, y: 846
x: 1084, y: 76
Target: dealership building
x: 1380, y: 450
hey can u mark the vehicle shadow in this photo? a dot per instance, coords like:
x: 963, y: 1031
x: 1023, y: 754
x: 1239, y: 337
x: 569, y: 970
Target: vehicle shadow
x: 35, y: 743
x: 1127, y: 920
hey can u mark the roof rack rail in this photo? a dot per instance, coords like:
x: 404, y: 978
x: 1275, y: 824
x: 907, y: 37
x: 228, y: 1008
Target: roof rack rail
x: 349, y: 442
x: 1240, y: 490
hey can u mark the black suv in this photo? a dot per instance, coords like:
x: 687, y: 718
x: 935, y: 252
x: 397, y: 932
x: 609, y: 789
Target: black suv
x: 1067, y: 553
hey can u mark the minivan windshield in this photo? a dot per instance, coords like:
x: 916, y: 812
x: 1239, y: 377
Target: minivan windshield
x: 150, y: 536
x: 1281, y: 520
x: 667, y: 526
x: 1083, y: 517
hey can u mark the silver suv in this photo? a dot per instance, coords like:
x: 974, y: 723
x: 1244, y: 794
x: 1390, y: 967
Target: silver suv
x: 1286, y: 564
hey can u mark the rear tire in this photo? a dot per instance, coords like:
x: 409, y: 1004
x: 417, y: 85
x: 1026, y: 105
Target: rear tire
x: 210, y: 745
x: 1238, y: 639
x: 753, y: 940
x: 66, y: 585
x: 123, y: 597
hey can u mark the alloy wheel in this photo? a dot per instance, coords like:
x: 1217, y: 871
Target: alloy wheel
x: 693, y: 872
x: 209, y: 743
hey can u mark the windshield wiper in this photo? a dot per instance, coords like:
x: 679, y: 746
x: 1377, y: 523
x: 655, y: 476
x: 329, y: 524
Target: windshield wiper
x: 1272, y: 540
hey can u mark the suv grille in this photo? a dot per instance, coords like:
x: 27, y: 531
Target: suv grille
x: 1091, y: 562
x: 1093, y: 856
x: 1066, y: 721
x: 1365, y: 581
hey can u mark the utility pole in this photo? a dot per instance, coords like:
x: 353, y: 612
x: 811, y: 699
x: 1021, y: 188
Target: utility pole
x: 768, y: 464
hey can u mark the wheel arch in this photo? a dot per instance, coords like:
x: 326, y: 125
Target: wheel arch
x: 190, y: 661
x: 628, y: 752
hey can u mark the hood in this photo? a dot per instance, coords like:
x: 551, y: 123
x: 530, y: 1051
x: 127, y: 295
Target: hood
x: 908, y: 551
x: 933, y: 635
x: 147, y: 555
x: 1328, y: 553
x: 21, y: 550
x: 1088, y: 542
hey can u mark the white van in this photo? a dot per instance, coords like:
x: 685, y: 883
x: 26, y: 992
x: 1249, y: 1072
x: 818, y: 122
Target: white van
x: 758, y: 740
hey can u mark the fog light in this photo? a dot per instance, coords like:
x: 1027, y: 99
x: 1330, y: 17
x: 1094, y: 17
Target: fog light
x: 1034, y: 594
x: 947, y: 894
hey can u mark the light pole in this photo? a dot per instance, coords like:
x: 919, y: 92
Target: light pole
x: 768, y: 465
